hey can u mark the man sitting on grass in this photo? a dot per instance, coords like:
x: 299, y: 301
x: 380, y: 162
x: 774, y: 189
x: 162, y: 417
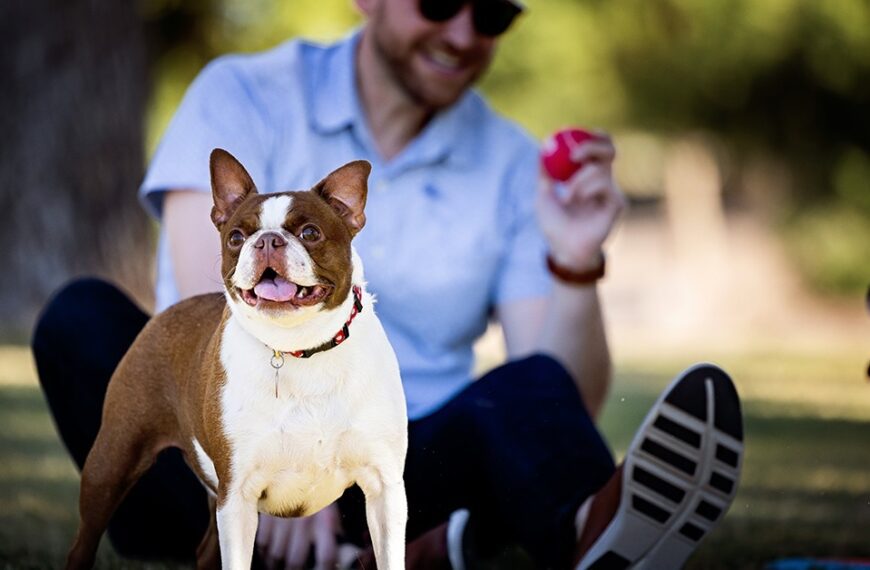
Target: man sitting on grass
x: 459, y: 227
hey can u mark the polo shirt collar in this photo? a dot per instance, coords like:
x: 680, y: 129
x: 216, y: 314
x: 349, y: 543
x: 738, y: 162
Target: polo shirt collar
x: 446, y: 137
x: 333, y: 94
x: 335, y: 106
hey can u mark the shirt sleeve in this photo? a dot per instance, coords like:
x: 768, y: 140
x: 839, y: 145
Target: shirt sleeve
x: 219, y: 110
x: 523, y: 272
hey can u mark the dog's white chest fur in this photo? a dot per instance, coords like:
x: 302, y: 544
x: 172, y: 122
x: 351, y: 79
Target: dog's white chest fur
x: 338, y: 419
x: 296, y: 453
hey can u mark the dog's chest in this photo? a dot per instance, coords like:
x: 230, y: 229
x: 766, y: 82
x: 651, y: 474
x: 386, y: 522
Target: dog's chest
x: 295, y: 455
x: 338, y: 419
x: 296, y: 452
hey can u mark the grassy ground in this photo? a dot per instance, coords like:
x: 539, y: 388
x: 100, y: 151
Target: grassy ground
x: 805, y: 489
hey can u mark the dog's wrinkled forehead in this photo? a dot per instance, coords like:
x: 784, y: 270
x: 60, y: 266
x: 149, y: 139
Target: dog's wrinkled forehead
x: 285, y: 212
x: 274, y: 212
x: 247, y: 217
x: 344, y: 190
x: 307, y: 207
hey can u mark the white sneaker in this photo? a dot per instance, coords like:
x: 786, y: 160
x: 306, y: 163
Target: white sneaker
x: 455, y: 534
x: 680, y: 475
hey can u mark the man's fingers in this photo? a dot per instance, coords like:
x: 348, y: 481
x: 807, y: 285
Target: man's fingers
x: 592, y: 182
x: 299, y: 544
x: 350, y: 556
x: 279, y: 536
x: 325, y: 527
x: 595, y: 150
x: 264, y: 529
x: 325, y: 547
x: 287, y: 543
x: 547, y: 188
x: 268, y: 543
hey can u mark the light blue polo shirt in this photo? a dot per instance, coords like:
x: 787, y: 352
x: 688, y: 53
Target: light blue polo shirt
x: 450, y: 232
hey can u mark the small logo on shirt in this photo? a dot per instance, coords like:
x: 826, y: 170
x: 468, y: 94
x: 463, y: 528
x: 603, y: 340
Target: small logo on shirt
x: 432, y: 192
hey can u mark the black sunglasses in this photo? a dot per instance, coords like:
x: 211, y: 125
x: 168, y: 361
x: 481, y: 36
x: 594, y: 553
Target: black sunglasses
x: 491, y: 17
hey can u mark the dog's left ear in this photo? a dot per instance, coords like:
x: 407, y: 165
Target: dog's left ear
x: 345, y: 190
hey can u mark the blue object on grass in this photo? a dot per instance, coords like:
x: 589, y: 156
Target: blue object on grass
x: 818, y: 564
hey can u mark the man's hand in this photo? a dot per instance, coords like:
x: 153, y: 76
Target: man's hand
x: 286, y: 543
x: 577, y: 221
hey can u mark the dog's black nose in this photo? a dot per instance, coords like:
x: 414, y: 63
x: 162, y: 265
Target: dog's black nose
x: 270, y: 240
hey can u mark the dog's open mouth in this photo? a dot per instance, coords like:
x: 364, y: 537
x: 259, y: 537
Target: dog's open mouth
x: 273, y: 288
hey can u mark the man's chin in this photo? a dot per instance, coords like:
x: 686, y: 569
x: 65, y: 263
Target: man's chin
x: 430, y: 89
x: 436, y: 98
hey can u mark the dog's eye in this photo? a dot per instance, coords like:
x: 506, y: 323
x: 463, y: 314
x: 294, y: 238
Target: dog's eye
x: 236, y: 239
x: 309, y: 233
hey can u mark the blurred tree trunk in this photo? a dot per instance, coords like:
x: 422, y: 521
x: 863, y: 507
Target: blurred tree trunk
x: 72, y: 106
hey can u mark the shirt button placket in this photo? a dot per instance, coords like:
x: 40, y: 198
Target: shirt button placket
x: 378, y: 250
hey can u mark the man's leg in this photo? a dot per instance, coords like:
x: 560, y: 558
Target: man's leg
x: 79, y: 340
x: 518, y: 449
x: 525, y: 454
x: 456, y: 461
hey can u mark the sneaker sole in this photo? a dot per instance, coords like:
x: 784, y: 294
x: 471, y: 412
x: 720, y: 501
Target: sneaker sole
x: 680, y: 475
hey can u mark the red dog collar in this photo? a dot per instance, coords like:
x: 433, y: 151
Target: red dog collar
x: 339, y: 337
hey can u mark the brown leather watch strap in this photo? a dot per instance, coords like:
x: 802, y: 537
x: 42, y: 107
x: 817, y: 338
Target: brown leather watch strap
x: 576, y: 277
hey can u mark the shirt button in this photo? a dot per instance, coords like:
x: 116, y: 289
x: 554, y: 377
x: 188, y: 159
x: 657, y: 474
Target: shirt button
x: 379, y: 251
x: 382, y: 186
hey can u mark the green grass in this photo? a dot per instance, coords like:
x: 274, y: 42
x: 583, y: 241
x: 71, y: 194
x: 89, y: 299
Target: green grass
x: 805, y: 489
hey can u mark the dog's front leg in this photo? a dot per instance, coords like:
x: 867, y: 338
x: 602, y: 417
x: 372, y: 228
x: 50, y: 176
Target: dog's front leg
x: 387, y: 515
x: 237, y: 530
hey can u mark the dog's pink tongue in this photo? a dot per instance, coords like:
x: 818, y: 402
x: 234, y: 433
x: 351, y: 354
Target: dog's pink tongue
x: 276, y: 289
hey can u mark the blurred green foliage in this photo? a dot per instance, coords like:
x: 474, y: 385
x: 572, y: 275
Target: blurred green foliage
x: 786, y: 79
x: 832, y: 246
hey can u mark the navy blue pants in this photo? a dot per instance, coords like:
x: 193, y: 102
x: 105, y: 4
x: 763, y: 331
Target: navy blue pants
x: 517, y: 447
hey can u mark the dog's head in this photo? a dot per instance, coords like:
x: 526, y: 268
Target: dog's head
x: 287, y: 256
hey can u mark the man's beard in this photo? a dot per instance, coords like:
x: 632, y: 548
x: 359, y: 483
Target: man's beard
x: 399, y: 66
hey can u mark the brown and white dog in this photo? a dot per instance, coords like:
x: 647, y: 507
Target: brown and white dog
x: 273, y: 410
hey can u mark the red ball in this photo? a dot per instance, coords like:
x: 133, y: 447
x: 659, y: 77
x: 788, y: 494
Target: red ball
x: 558, y: 153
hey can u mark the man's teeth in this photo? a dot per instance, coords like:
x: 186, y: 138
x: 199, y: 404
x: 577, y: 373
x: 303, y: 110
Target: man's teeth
x: 444, y: 59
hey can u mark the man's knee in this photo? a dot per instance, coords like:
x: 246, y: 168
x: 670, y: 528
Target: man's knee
x: 546, y: 366
x: 62, y: 314
x: 88, y: 322
x: 538, y: 376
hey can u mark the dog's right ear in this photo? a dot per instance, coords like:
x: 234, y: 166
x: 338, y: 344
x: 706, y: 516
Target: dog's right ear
x: 230, y: 185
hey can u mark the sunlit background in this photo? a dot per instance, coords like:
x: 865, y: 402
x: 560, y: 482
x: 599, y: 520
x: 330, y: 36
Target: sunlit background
x: 743, y: 132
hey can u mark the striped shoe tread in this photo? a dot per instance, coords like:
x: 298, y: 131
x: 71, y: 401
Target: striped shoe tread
x: 680, y: 475
x: 668, y: 456
x: 727, y: 455
x: 706, y: 504
x: 658, y: 484
x: 650, y: 509
x: 721, y: 483
x: 692, y: 532
x: 687, y: 425
x: 678, y: 431
x: 611, y: 560
x: 708, y: 510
